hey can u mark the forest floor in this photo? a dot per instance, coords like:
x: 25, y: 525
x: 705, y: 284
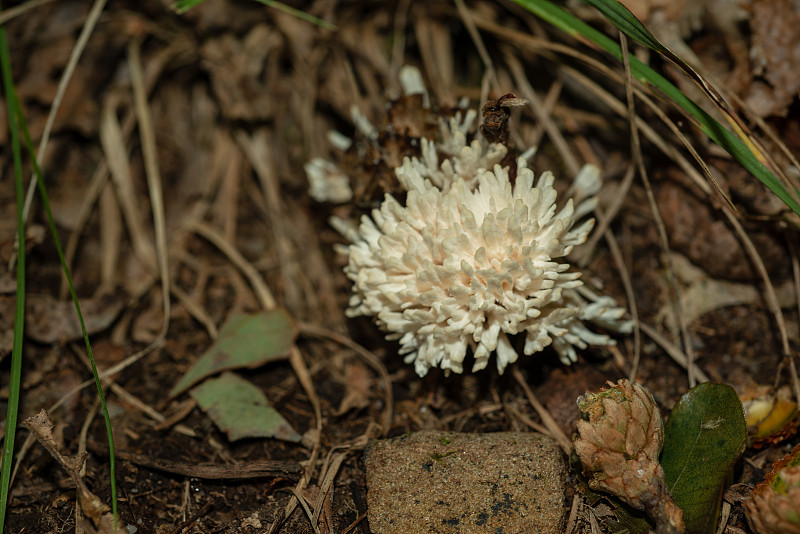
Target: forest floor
x: 240, y: 97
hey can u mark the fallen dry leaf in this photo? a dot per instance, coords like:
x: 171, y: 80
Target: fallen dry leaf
x: 102, y: 522
x: 48, y: 320
x: 357, y: 387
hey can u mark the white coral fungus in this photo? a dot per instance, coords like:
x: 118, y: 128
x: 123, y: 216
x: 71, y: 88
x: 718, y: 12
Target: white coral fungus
x: 471, y: 259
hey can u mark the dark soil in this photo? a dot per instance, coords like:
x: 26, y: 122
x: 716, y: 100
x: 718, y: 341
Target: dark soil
x: 241, y: 97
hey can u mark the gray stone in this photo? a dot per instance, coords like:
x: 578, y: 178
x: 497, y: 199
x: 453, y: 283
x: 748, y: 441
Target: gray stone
x: 448, y: 482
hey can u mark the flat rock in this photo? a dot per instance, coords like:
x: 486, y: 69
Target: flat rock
x: 443, y: 482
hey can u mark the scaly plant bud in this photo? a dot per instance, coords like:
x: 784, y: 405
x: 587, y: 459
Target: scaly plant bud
x: 775, y: 506
x: 621, y: 435
x: 620, y: 439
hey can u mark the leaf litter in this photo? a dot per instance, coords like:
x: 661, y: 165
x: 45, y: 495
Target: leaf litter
x: 241, y: 98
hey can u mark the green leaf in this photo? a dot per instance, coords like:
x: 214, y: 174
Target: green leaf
x: 704, y: 436
x: 241, y: 410
x: 740, y: 149
x: 244, y: 341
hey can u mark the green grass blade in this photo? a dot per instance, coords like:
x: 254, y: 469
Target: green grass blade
x: 12, y: 410
x: 17, y: 124
x: 74, y: 295
x: 644, y: 74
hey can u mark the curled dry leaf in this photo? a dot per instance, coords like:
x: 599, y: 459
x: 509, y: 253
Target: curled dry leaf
x: 102, y: 522
x: 48, y: 320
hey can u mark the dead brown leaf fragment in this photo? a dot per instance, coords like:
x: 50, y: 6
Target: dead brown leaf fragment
x: 48, y: 320
x: 41, y: 426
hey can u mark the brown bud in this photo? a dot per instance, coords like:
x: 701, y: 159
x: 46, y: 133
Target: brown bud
x: 620, y: 440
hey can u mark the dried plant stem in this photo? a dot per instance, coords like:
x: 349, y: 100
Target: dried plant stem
x: 263, y: 294
x: 148, y: 140
x: 796, y: 280
x: 371, y: 360
x: 673, y: 351
x: 636, y: 150
x: 66, y: 76
x: 553, y: 428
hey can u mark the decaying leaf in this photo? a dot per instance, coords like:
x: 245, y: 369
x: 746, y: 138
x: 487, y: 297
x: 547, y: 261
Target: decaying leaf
x: 48, y: 320
x: 241, y: 410
x: 244, y: 341
x: 102, y: 522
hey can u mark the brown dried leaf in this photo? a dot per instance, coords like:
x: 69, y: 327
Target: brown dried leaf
x: 41, y: 427
x: 48, y: 320
x: 357, y: 388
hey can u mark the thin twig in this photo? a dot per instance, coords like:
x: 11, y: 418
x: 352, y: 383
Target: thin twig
x: 553, y: 428
x: 66, y: 76
x: 148, y: 140
x: 263, y: 294
x: 372, y: 360
x: 636, y: 150
x: 673, y: 351
x: 796, y: 280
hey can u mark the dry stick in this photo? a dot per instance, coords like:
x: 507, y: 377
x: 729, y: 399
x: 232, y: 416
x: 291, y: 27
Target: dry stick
x: 769, y: 288
x: 298, y: 497
x: 636, y: 149
x: 304, y: 377
x: 371, y: 360
x: 547, y: 419
x: 256, y: 149
x: 110, y: 239
x: 572, y: 520
x: 398, y: 38
x: 548, y: 107
x: 469, y: 22
x: 524, y: 418
x: 82, y: 471
x: 267, y: 301
x: 123, y: 394
x: 796, y: 279
x: 430, y: 50
x: 14, y: 12
x: 154, y: 187
x: 75, y: 55
x: 553, y: 132
x: 328, y: 476
x: 585, y: 251
x: 101, y: 175
x: 573, y: 167
x: 98, y: 182
x: 208, y: 470
x: 619, y: 260
x: 196, y: 311
x: 263, y: 294
x: 111, y: 138
x: 673, y: 351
